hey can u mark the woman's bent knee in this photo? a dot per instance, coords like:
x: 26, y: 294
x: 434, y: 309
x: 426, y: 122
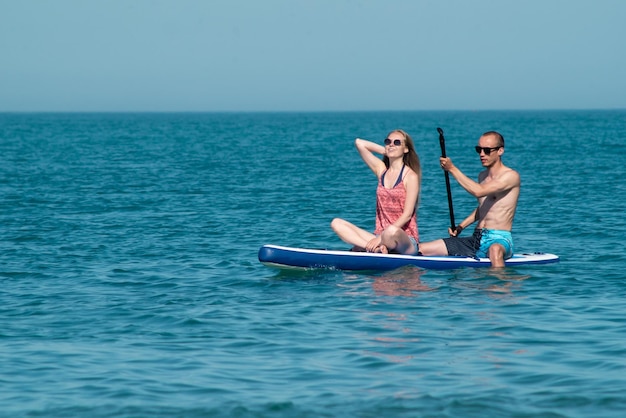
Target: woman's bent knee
x: 392, y: 231
x: 339, y: 224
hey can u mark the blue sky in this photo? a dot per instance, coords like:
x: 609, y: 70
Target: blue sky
x: 301, y: 55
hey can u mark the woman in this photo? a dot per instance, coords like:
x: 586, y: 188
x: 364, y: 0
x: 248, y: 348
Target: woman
x: 399, y: 174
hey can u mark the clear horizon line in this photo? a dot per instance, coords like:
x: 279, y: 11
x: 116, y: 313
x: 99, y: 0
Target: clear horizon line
x: 327, y: 111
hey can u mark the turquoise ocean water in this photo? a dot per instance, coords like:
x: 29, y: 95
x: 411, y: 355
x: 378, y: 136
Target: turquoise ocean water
x: 130, y: 285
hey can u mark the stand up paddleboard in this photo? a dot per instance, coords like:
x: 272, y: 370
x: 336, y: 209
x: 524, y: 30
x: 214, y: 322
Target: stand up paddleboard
x: 290, y: 257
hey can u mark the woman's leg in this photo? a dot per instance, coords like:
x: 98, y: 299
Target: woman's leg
x: 351, y: 233
x: 396, y: 240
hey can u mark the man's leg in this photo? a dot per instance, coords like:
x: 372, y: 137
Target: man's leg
x: 437, y: 247
x: 496, y: 255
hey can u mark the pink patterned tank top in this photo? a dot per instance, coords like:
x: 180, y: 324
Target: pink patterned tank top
x: 389, y: 207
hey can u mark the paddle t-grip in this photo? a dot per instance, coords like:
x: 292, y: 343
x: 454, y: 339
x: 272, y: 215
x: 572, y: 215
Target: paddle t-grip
x: 442, y: 142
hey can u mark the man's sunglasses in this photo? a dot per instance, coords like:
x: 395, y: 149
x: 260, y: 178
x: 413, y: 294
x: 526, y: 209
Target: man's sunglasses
x: 396, y: 142
x: 487, y: 150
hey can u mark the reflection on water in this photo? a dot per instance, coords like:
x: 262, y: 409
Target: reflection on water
x: 491, y: 280
x: 509, y: 278
x: 405, y: 281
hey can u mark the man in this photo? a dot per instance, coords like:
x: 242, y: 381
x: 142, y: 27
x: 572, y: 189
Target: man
x: 497, y: 192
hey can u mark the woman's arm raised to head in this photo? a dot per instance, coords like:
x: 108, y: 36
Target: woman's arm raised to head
x: 366, y: 150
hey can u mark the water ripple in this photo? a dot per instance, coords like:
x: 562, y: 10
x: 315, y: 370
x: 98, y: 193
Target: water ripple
x: 130, y: 284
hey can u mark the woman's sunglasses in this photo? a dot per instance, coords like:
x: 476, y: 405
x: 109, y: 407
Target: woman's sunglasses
x: 396, y: 142
x: 487, y: 150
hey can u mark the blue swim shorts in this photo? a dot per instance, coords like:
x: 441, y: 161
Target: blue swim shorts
x: 478, y: 244
x: 495, y: 236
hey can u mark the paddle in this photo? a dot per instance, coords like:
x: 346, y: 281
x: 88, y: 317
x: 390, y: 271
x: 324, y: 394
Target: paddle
x: 442, y: 143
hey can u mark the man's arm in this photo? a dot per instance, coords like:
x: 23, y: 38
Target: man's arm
x: 464, y: 224
x: 506, y: 181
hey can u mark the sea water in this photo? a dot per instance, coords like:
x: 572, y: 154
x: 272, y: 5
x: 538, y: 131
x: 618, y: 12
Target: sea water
x: 130, y: 285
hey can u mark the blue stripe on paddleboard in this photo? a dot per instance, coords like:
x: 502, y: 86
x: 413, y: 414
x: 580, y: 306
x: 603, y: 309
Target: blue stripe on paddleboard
x: 287, y: 257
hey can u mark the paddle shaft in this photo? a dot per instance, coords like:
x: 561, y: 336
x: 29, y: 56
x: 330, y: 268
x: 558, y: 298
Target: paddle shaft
x: 442, y: 143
